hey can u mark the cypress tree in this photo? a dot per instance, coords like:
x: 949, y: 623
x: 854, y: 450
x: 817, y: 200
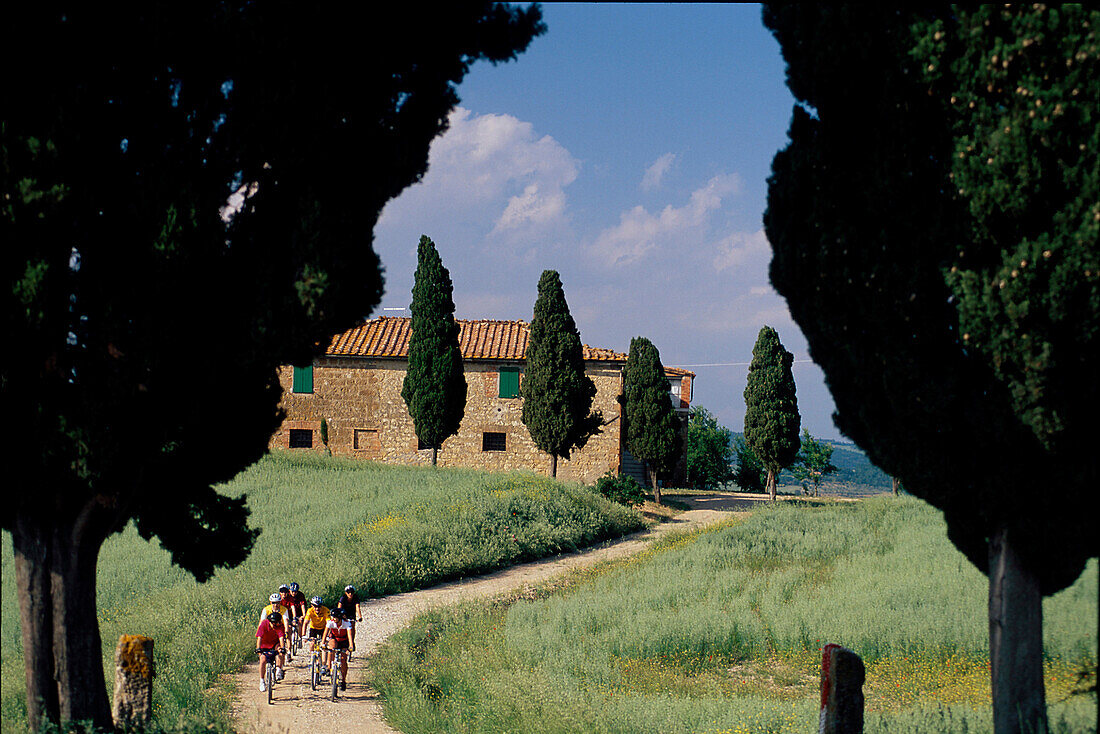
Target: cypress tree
x: 557, y: 394
x: 771, y: 410
x: 936, y: 244
x: 652, y: 428
x: 435, y: 388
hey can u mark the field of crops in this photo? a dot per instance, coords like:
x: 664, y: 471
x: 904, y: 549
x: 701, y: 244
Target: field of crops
x: 326, y: 523
x: 721, y: 631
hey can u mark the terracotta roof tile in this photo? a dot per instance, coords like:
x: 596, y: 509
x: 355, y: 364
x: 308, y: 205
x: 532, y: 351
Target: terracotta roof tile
x: 498, y: 340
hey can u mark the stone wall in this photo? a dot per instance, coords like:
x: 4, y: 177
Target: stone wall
x: 360, y: 401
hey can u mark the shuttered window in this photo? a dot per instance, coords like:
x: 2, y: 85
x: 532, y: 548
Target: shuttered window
x: 494, y: 441
x: 303, y: 379
x: 509, y: 382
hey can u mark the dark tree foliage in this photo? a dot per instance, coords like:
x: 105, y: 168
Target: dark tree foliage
x: 435, y: 387
x: 143, y: 311
x: 750, y: 475
x: 557, y: 394
x: 652, y: 427
x: 934, y: 222
x: 709, y: 450
x: 771, y: 408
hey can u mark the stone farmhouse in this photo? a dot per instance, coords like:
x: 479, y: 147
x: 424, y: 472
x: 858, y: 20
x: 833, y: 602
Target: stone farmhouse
x: 355, y: 387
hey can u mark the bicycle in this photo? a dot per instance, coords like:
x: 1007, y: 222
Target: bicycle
x: 269, y: 674
x: 337, y: 658
x: 315, y: 657
x: 295, y: 639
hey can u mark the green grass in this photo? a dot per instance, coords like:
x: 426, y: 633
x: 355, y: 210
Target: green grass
x: 721, y: 632
x: 326, y: 523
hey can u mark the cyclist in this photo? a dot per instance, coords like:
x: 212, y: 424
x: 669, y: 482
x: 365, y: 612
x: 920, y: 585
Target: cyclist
x: 294, y: 600
x: 313, y: 625
x: 270, y: 636
x: 349, y: 602
x: 338, y: 636
x: 274, y: 605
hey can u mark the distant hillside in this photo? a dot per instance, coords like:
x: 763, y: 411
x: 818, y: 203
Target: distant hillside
x: 855, y: 474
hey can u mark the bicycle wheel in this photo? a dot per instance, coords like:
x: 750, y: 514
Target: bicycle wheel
x: 313, y: 672
x: 270, y: 681
x: 335, y: 674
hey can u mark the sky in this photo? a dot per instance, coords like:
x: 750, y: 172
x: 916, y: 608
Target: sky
x: 628, y: 149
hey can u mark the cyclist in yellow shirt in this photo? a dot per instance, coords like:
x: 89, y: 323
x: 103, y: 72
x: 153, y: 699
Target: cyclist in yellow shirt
x: 313, y: 625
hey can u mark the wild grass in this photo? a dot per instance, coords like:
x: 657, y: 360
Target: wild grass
x: 721, y: 632
x: 326, y: 522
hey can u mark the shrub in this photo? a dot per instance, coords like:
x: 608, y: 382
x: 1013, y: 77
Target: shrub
x: 621, y: 489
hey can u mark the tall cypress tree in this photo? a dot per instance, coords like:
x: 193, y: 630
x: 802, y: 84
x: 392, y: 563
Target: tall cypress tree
x: 557, y: 394
x: 652, y: 428
x: 771, y: 410
x: 435, y: 388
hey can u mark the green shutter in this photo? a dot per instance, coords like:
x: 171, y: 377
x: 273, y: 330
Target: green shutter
x: 303, y: 379
x: 509, y: 382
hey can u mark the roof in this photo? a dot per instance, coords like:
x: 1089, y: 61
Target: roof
x: 492, y: 340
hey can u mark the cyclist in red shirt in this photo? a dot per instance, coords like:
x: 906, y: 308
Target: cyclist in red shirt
x: 271, y: 635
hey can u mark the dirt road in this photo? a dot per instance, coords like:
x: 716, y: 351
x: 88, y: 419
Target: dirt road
x: 297, y: 708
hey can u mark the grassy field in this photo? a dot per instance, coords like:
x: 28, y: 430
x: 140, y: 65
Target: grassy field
x: 326, y: 523
x: 721, y: 632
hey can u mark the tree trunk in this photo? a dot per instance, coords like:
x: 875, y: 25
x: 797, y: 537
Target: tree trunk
x: 894, y: 485
x: 770, y: 484
x: 656, y: 488
x: 435, y: 454
x: 32, y: 578
x: 1015, y: 641
x: 554, y: 466
x: 63, y: 656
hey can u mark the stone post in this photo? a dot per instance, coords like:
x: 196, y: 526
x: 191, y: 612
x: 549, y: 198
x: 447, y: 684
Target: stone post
x: 842, y: 677
x: 133, y: 707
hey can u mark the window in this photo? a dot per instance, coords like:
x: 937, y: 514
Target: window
x: 494, y: 441
x: 366, y: 439
x: 303, y: 379
x: 674, y: 386
x: 509, y: 382
x: 301, y: 438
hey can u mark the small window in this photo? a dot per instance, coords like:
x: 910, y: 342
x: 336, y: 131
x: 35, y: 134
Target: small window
x: 494, y: 441
x: 303, y: 379
x: 301, y: 438
x: 366, y: 439
x: 509, y: 382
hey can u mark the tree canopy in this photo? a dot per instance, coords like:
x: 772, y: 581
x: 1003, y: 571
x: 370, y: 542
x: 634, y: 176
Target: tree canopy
x: 652, y: 426
x: 934, y: 224
x: 434, y: 389
x: 771, y: 408
x: 709, y: 450
x: 188, y: 196
x: 814, y: 462
x: 557, y: 394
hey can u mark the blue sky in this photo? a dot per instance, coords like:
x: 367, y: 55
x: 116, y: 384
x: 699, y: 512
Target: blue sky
x: 628, y: 149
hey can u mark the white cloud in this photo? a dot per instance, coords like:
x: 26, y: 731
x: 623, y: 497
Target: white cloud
x: 657, y: 171
x: 639, y: 231
x: 493, y: 167
x: 742, y: 247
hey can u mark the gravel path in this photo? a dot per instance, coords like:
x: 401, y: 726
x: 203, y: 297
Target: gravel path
x: 297, y: 708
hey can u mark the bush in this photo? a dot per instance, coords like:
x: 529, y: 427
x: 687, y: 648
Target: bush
x: 621, y: 489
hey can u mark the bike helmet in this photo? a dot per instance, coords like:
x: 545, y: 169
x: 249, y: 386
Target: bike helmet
x: 338, y: 613
x: 349, y: 588
x: 284, y: 588
x: 293, y: 586
x: 274, y: 598
x: 275, y: 618
x: 315, y: 601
